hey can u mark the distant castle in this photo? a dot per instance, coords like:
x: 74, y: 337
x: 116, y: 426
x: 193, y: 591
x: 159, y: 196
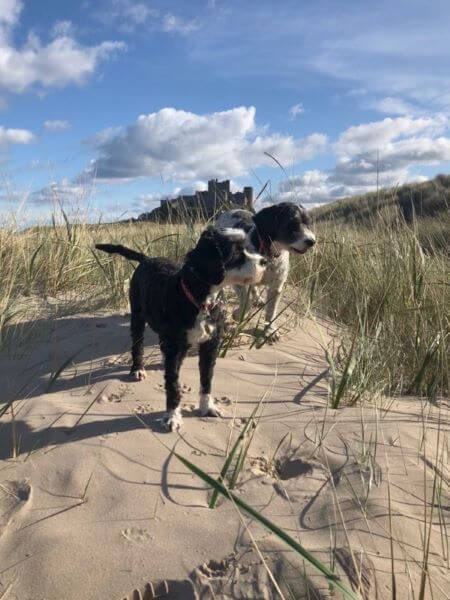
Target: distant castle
x: 201, y: 206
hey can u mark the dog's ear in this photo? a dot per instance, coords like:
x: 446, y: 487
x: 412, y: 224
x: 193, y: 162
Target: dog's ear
x: 207, y: 257
x: 266, y: 221
x: 267, y: 224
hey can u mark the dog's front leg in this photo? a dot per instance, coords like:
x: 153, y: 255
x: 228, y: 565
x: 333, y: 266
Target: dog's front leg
x: 173, y: 353
x: 275, y: 286
x: 273, y: 300
x: 207, y: 353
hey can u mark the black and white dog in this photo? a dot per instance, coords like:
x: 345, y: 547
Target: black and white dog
x: 273, y: 232
x: 180, y: 305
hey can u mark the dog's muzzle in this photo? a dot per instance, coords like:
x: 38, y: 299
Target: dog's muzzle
x: 303, y: 246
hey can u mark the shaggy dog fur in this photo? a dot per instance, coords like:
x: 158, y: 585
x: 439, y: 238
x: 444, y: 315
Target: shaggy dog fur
x: 273, y: 232
x: 180, y: 305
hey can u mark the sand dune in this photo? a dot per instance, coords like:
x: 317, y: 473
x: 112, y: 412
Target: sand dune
x: 94, y: 507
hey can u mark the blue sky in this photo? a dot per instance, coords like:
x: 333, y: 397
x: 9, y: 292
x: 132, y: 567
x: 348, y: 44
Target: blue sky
x: 106, y: 106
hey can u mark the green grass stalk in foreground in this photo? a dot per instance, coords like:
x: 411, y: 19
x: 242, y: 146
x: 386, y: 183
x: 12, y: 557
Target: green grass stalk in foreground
x: 320, y: 567
x: 304, y: 554
x: 229, y: 459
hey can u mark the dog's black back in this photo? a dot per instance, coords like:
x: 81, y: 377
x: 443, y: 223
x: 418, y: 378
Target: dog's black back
x: 155, y: 291
x: 156, y: 294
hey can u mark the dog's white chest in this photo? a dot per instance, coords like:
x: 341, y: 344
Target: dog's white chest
x: 277, y: 269
x: 202, y: 331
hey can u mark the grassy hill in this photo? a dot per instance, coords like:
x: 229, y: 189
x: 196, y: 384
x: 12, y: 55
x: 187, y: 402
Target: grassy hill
x: 428, y: 199
x: 422, y: 205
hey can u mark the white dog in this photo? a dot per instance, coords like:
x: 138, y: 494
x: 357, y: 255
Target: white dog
x: 273, y: 232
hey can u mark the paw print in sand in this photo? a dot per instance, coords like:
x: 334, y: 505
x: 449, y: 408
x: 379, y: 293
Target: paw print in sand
x: 137, y: 535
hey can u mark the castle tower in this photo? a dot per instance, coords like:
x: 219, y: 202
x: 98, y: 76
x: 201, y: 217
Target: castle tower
x: 248, y: 194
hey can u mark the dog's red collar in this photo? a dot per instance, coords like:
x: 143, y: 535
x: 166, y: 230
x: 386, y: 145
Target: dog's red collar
x: 204, y: 307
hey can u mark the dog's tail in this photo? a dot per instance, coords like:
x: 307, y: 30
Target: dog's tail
x: 119, y: 249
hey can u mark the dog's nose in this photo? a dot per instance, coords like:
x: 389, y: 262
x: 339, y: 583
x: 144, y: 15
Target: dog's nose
x: 309, y: 242
x: 263, y: 262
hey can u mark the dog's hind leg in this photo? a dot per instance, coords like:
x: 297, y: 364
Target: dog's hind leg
x: 207, y: 353
x: 173, y: 353
x: 137, y: 348
x: 257, y: 296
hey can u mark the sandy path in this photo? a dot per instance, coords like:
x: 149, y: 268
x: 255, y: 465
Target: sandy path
x: 143, y: 518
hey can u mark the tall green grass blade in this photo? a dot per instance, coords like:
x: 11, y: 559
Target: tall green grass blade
x: 419, y: 378
x: 230, y: 456
x: 331, y: 577
x: 241, y: 460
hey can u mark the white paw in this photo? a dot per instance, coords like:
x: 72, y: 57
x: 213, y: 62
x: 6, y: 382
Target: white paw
x: 138, y: 375
x: 172, y: 420
x: 207, y: 406
x: 271, y: 333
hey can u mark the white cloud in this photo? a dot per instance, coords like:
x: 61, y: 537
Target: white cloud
x: 398, y: 49
x: 171, y: 23
x: 296, y: 110
x: 63, y: 193
x: 40, y: 164
x: 128, y: 15
x: 62, y: 28
x: 15, y: 136
x: 373, y: 136
x: 177, y: 144
x: 13, y: 198
x: 318, y: 187
x: 423, y: 150
x: 56, y: 64
x: 394, y: 106
x: 311, y: 187
x: 147, y: 202
x: 103, y: 137
x: 10, y: 11
x: 191, y: 188
x: 382, y: 153
x: 394, y: 51
x: 137, y: 13
x: 56, y: 125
